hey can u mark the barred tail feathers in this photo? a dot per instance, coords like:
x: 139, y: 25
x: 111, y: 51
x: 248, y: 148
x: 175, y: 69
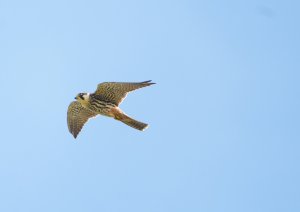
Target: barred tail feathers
x: 131, y: 122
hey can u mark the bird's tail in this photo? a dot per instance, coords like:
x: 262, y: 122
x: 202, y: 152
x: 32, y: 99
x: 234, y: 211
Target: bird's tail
x: 131, y: 122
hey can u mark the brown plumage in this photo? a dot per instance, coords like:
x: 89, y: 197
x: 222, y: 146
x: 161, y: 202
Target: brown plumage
x: 104, y: 101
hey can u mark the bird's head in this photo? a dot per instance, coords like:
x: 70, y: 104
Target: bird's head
x: 82, y: 97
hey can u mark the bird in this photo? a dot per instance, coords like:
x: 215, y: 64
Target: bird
x: 104, y: 101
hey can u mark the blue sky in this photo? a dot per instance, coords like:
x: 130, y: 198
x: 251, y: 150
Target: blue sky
x: 224, y: 114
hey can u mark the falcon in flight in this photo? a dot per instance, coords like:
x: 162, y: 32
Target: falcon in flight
x: 105, y: 101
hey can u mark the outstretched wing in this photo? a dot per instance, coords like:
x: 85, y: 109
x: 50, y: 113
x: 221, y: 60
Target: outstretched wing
x: 115, y: 92
x: 77, y: 117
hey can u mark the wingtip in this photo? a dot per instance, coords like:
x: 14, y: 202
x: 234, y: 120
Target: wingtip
x: 149, y: 82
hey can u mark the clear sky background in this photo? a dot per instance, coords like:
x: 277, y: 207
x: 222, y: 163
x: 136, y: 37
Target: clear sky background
x: 224, y: 114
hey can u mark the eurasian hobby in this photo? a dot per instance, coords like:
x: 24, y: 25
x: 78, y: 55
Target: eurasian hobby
x: 105, y: 101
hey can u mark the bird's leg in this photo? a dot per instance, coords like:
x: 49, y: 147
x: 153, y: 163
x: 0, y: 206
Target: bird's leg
x: 117, y: 113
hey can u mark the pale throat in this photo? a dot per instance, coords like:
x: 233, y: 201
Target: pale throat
x: 86, y: 96
x: 85, y: 100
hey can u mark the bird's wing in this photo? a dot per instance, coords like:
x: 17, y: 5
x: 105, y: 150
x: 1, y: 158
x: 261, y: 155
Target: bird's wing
x: 77, y: 117
x: 115, y: 92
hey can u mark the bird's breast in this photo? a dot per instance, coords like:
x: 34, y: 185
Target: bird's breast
x: 101, y: 107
